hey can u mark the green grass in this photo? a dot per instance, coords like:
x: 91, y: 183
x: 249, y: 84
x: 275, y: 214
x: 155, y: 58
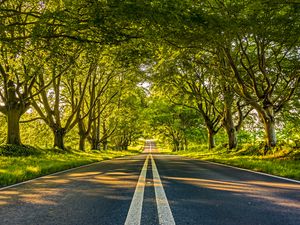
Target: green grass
x: 280, y: 163
x: 34, y: 163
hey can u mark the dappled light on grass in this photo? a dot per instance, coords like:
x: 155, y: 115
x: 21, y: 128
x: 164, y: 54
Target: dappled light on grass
x: 269, y: 191
x: 33, y: 169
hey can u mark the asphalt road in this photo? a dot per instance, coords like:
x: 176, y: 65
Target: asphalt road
x: 151, y: 189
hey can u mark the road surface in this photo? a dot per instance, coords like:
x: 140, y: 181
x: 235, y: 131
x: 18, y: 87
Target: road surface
x: 151, y: 189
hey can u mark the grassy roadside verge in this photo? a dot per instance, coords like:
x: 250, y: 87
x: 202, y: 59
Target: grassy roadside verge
x: 39, y: 162
x: 275, y: 164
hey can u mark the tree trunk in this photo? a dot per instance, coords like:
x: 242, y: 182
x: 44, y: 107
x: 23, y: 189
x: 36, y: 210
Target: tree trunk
x: 14, y: 108
x: 211, y: 139
x: 83, y: 134
x: 176, y: 145
x: 185, y: 144
x: 95, y: 135
x: 97, y: 127
x: 232, y: 137
x: 82, y: 139
x: 181, y: 146
x: 104, y: 144
x: 13, y: 126
x: 59, y: 135
x: 268, y: 119
x: 228, y: 123
x: 125, y: 144
x: 231, y: 132
x: 270, y: 133
x: 95, y: 145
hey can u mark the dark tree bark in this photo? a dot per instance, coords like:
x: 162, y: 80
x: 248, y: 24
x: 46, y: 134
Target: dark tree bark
x: 59, y: 135
x: 211, y: 138
x: 232, y: 138
x: 212, y: 124
x: 267, y: 116
x: 228, y: 123
x: 83, y: 131
x: 105, y: 144
x: 13, y: 126
x: 95, y: 134
x: 49, y: 110
x: 252, y: 70
x: 186, y: 144
x: 82, y: 140
x: 14, y: 107
x: 95, y: 145
x: 176, y: 145
x: 270, y: 132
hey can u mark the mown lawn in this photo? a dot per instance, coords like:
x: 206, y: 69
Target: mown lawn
x: 14, y: 169
x: 273, y: 163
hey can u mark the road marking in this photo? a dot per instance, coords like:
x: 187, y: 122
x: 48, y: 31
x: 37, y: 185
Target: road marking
x: 134, y: 215
x: 252, y: 171
x: 165, y: 215
x: 135, y: 211
x: 58, y: 173
x: 49, y: 175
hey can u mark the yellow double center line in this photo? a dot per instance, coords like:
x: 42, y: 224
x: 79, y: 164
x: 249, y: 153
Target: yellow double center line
x: 134, y: 215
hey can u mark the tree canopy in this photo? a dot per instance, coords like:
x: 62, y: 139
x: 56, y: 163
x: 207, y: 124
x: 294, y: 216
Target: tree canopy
x: 110, y: 72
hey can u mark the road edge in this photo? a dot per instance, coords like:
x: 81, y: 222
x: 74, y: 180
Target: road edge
x: 62, y: 171
x: 252, y: 171
x: 240, y: 168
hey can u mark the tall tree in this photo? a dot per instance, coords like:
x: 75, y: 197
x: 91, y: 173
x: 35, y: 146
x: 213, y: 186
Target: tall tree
x: 59, y: 103
x: 20, y: 62
x: 260, y: 41
x: 198, y: 82
x: 264, y: 61
x: 102, y: 89
x: 130, y: 116
x: 173, y: 122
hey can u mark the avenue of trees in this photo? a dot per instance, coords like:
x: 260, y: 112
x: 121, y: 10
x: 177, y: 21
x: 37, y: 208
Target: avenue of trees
x: 109, y: 72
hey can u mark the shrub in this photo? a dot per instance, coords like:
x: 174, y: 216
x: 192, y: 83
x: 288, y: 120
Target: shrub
x: 17, y: 150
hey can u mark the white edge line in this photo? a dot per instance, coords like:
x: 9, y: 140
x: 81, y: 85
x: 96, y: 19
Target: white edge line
x: 56, y: 173
x: 251, y: 171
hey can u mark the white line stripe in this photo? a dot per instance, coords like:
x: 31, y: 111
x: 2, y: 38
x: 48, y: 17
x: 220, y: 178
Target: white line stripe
x: 165, y: 215
x: 135, y: 211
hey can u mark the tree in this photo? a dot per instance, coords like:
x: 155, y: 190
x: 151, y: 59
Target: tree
x: 264, y: 63
x: 61, y: 100
x: 186, y: 77
x: 173, y: 122
x: 19, y: 64
x: 101, y: 92
x: 259, y: 41
x: 130, y: 117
